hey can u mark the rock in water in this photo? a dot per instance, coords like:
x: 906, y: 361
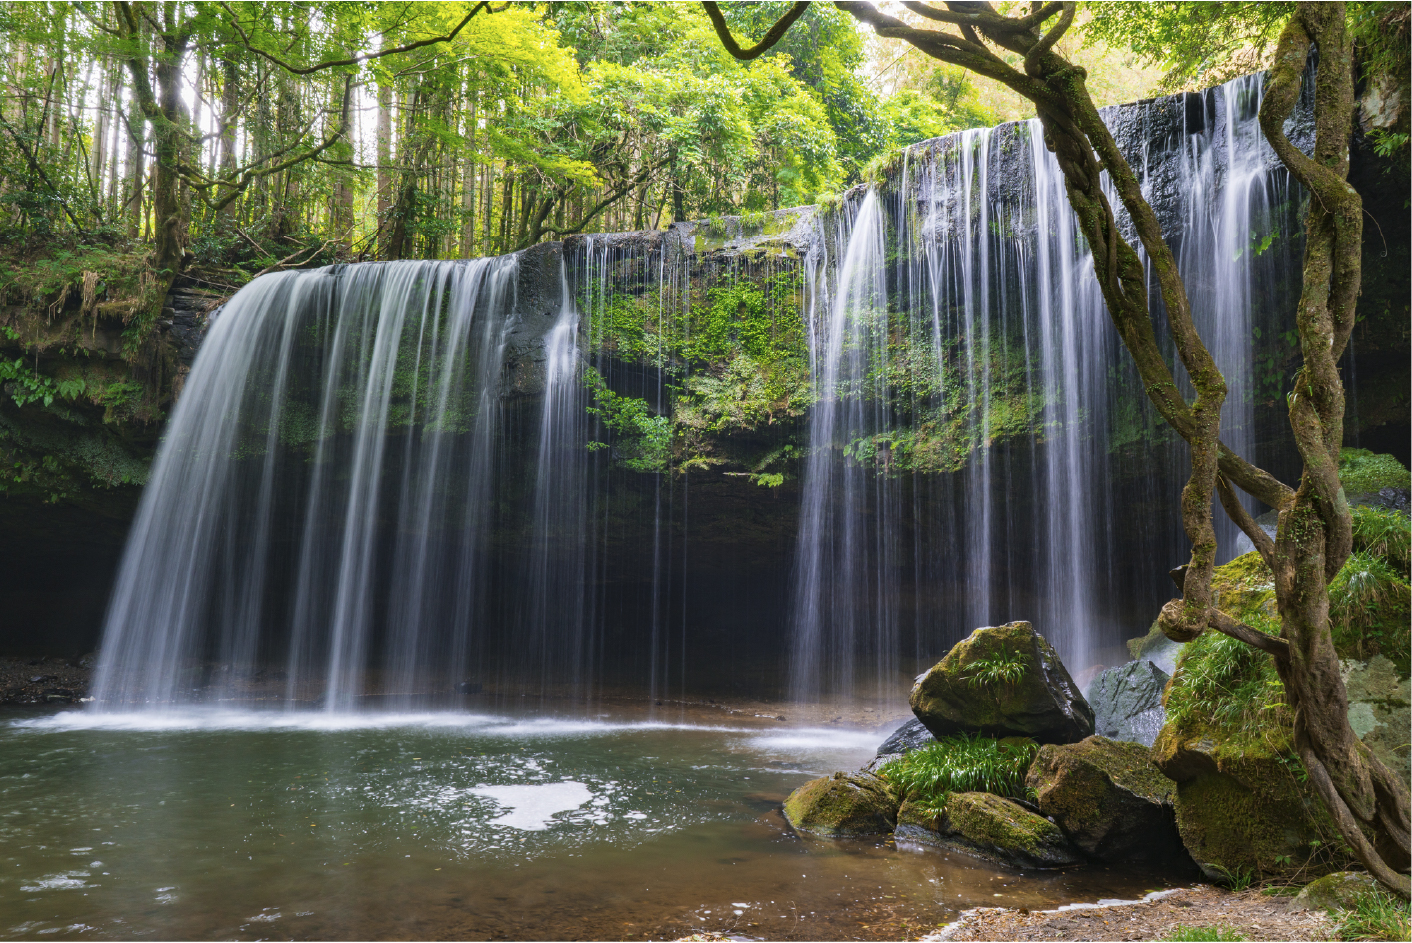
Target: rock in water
x: 1127, y: 702
x: 1338, y: 891
x: 1109, y: 798
x: 1003, y: 681
x: 910, y: 736
x: 844, y: 805
x: 990, y: 827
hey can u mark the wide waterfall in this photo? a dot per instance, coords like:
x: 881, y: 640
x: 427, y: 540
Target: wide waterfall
x: 393, y: 482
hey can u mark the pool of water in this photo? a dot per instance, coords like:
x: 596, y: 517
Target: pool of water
x: 595, y: 824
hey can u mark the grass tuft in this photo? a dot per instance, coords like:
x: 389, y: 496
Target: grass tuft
x: 1376, y: 916
x: 964, y: 763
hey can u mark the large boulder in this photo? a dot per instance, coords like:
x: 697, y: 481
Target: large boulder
x: 1003, y: 681
x: 989, y: 827
x: 1242, y: 809
x: 1127, y: 702
x: 910, y: 736
x: 1109, y: 799
x: 844, y: 805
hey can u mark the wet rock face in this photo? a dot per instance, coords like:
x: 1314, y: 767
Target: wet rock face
x: 912, y: 735
x: 844, y: 805
x: 988, y: 827
x: 1127, y: 702
x: 1003, y: 681
x: 1109, y: 799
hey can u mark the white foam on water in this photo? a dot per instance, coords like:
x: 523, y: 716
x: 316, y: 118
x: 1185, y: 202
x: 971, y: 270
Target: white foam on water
x: 220, y: 719
x: 532, y: 808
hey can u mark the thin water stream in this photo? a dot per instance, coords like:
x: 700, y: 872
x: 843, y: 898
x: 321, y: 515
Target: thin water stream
x: 237, y: 824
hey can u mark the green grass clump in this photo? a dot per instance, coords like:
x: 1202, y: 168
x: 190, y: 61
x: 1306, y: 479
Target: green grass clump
x: 1376, y: 916
x: 1227, y: 686
x: 1003, y: 668
x: 1384, y: 533
x: 964, y: 763
x: 1365, y: 472
x: 1186, y: 934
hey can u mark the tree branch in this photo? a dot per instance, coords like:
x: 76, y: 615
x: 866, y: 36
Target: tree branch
x: 776, y: 33
x: 361, y: 57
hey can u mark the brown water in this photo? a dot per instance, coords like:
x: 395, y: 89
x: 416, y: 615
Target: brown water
x: 603, y: 824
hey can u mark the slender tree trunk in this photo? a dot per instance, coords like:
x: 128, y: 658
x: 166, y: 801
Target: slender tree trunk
x: 384, y: 175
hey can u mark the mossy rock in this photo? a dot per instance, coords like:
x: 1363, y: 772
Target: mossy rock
x: 1244, y: 586
x: 844, y: 805
x: 990, y: 827
x: 1039, y: 700
x: 1363, y: 472
x: 1109, y: 799
x: 1338, y: 891
x: 1241, y: 808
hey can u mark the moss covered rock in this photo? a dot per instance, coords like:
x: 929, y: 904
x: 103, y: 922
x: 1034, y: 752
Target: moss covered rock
x: 1003, y: 681
x: 1242, y: 808
x: 1108, y: 797
x: 989, y: 827
x: 844, y: 805
x: 1339, y: 891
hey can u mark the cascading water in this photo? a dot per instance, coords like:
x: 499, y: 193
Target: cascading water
x: 389, y: 479
x: 993, y: 276
x: 331, y: 414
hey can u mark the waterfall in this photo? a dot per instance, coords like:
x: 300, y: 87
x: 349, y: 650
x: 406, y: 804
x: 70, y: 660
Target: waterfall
x: 388, y: 482
x: 329, y: 415
x: 1015, y: 443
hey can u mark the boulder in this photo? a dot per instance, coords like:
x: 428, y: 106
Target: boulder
x: 1380, y: 709
x: 1109, y: 799
x: 844, y: 805
x: 1241, y: 808
x: 1127, y: 702
x: 1156, y: 647
x: 990, y: 827
x: 1038, y: 699
x: 910, y: 736
x: 1338, y: 891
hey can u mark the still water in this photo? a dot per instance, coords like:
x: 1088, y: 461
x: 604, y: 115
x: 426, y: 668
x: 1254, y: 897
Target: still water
x: 603, y: 824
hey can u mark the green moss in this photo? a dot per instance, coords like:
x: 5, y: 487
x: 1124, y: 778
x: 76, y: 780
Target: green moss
x: 1364, y: 472
x: 843, y: 805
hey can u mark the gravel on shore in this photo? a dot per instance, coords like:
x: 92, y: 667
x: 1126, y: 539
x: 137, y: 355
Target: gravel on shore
x: 1252, y: 914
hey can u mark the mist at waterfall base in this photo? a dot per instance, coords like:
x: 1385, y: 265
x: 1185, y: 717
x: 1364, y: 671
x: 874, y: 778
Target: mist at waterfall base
x: 380, y: 479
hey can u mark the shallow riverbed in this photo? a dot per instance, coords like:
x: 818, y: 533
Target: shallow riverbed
x: 599, y: 824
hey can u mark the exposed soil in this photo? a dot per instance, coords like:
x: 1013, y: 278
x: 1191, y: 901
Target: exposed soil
x: 42, y: 681
x: 1252, y: 914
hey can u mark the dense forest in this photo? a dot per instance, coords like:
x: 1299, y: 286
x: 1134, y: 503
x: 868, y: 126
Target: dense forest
x: 427, y: 130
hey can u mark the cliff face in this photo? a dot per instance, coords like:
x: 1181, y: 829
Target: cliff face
x: 709, y: 327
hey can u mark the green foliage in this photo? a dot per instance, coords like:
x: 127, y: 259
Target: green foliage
x: 642, y: 440
x: 1194, y: 43
x: 1186, y: 934
x: 1376, y: 916
x: 1228, y: 687
x: 1384, y: 532
x: 1002, y: 668
x: 963, y: 763
x: 1364, y: 472
x: 26, y: 386
x: 1370, y: 600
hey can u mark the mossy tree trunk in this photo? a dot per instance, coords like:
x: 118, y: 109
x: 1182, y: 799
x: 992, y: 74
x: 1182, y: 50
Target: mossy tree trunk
x: 1314, y: 535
